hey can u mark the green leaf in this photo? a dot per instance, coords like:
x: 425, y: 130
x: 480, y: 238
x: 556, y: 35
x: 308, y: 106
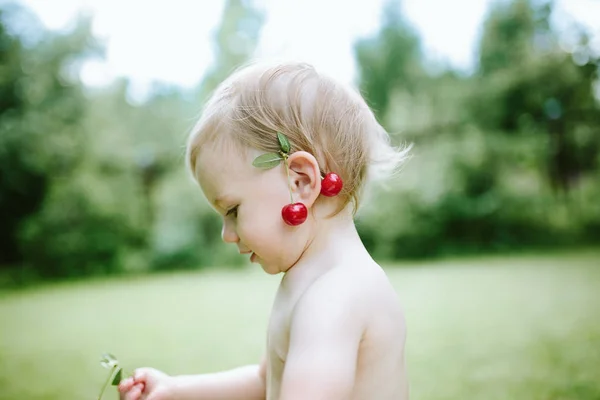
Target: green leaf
x: 268, y: 160
x: 118, y: 377
x: 283, y: 142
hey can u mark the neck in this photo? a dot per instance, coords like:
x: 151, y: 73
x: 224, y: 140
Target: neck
x: 334, y: 241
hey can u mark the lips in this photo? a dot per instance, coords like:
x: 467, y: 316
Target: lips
x: 252, y: 255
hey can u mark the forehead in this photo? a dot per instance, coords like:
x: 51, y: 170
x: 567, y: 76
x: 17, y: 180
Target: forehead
x: 222, y: 169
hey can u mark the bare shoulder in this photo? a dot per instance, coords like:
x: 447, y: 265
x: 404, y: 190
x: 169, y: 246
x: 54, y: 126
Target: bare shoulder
x: 331, y: 298
x: 351, y: 293
x: 326, y: 329
x: 346, y: 338
x: 369, y: 297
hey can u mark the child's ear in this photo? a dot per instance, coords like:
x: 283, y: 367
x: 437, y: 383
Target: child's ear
x: 305, y: 177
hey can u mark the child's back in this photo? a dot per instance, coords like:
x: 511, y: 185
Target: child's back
x: 283, y: 154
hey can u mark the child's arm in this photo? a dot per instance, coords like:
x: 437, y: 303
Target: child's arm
x: 247, y: 383
x: 325, y: 335
x: 244, y: 383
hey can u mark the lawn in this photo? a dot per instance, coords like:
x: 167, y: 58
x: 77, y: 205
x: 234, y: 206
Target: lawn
x: 510, y: 328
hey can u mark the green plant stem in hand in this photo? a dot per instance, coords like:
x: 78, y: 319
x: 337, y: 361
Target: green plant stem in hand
x: 109, y: 361
x: 107, y: 380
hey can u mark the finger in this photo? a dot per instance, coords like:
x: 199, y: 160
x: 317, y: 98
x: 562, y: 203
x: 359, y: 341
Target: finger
x: 135, y: 393
x: 125, y: 385
x: 141, y: 375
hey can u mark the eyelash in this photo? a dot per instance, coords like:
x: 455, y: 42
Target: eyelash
x: 232, y: 210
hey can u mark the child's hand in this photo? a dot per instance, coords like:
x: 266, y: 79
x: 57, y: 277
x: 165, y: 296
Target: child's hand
x: 146, y: 384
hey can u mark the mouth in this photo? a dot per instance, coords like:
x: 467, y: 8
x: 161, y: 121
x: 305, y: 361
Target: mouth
x: 252, y: 255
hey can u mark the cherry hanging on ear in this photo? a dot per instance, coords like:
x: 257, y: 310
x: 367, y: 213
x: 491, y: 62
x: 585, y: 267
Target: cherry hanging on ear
x: 331, y: 184
x: 294, y: 214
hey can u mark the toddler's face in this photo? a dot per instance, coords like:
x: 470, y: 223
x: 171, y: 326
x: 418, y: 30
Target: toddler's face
x: 250, y: 201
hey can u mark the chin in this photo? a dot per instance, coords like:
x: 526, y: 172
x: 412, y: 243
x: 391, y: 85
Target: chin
x: 269, y: 269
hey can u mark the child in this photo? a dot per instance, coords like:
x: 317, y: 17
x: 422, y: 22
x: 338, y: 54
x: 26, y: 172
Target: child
x: 283, y: 153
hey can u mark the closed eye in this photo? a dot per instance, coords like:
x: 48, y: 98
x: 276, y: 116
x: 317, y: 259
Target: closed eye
x: 232, y: 211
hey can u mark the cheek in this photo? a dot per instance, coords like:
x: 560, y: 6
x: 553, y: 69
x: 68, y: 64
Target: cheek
x: 261, y: 221
x: 261, y: 225
x: 276, y: 243
x: 264, y: 207
x: 261, y: 228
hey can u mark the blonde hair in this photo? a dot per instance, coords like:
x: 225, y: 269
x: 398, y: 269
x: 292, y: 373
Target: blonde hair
x: 317, y: 114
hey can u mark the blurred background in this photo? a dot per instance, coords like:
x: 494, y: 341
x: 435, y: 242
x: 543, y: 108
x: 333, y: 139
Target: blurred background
x: 493, y: 223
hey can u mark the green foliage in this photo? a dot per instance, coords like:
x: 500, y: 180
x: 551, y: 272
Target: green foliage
x: 40, y: 135
x: 505, y: 158
x: 235, y: 42
x: 389, y: 61
x: 509, y: 32
x: 74, y: 236
x: 21, y: 186
x: 91, y: 183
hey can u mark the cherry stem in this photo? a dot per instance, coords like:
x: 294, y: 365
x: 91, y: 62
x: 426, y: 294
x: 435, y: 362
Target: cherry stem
x: 288, y: 178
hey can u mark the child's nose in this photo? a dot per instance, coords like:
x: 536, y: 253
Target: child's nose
x: 228, y: 234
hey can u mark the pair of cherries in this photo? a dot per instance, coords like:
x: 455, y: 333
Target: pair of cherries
x: 296, y: 213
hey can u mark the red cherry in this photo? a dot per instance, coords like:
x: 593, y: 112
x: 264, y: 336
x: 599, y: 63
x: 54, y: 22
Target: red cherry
x: 294, y: 214
x: 331, y: 184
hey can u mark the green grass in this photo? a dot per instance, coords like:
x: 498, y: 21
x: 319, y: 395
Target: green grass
x: 507, y: 328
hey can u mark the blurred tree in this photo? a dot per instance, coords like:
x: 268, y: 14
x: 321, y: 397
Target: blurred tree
x: 93, y: 182
x: 58, y: 222
x: 509, y: 30
x: 235, y: 41
x: 21, y: 186
x: 527, y: 83
x: 136, y: 150
x: 39, y: 130
x: 486, y: 144
x: 390, y: 60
